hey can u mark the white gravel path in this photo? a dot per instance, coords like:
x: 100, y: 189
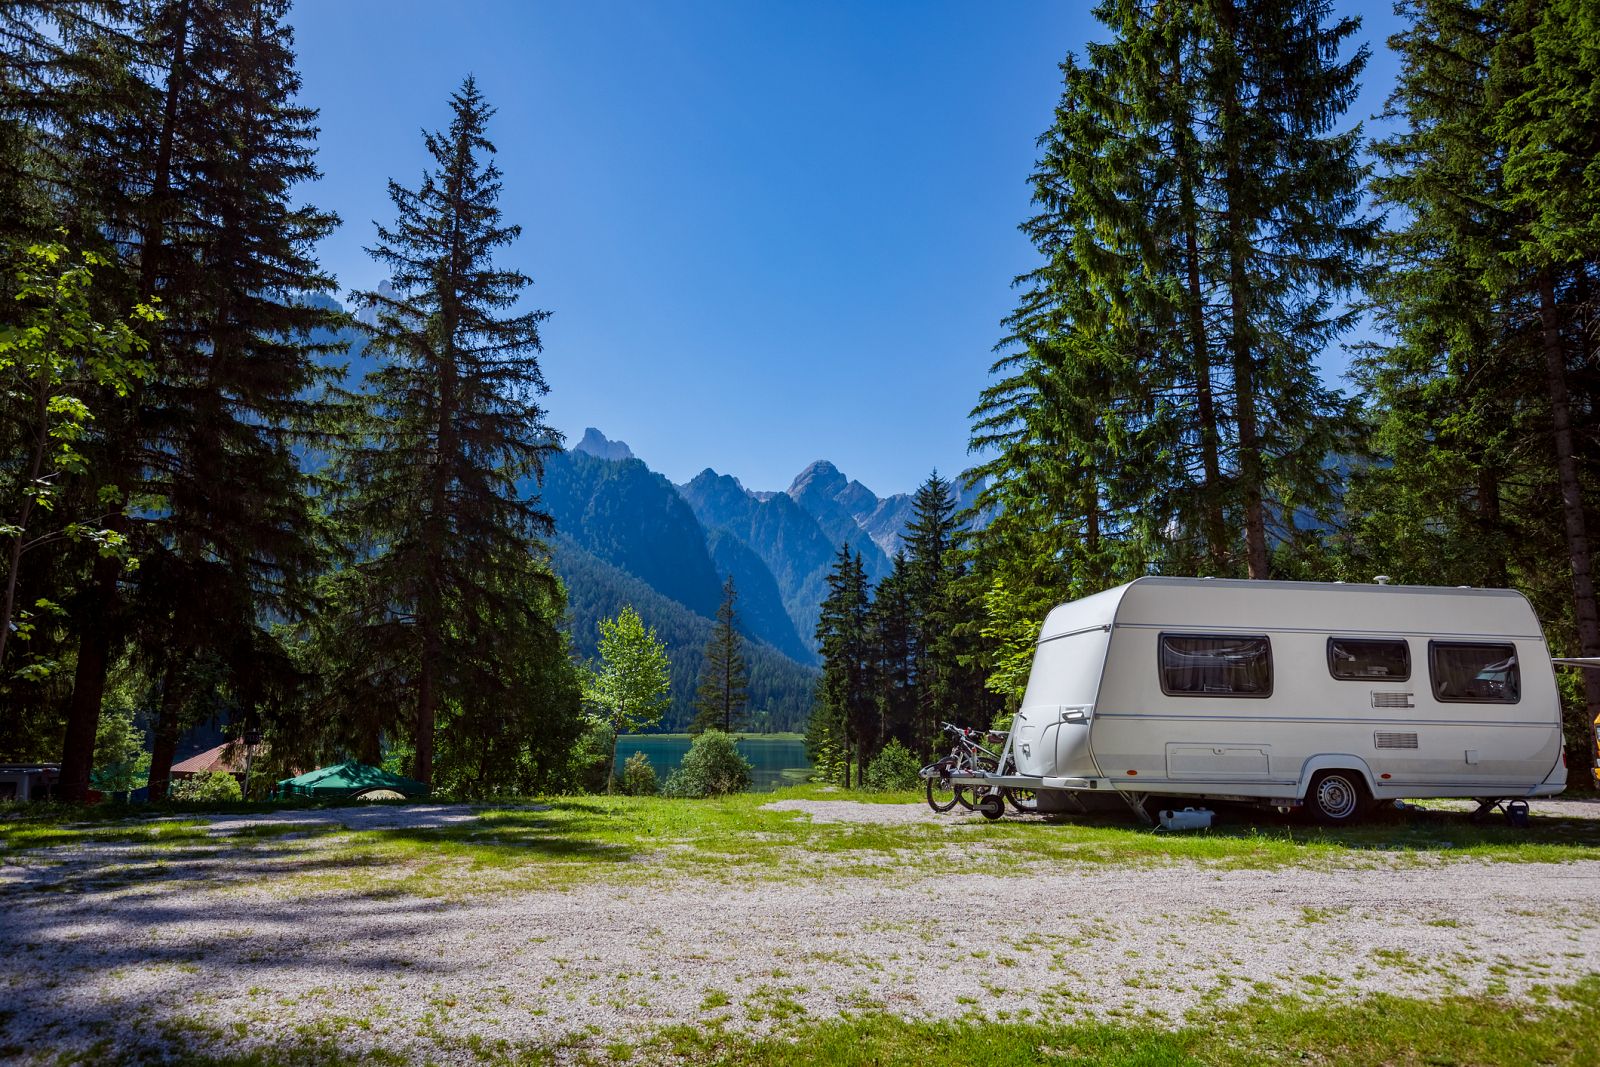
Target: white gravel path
x: 602, y: 962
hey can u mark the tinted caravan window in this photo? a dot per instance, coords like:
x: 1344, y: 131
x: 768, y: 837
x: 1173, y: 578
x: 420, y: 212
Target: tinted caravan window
x: 1475, y: 673
x: 1214, y: 665
x: 1385, y: 661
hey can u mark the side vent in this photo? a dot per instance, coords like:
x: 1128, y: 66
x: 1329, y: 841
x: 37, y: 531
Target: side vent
x: 1383, y: 740
x: 1392, y: 700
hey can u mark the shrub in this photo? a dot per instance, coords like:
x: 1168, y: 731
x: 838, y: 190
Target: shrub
x: 895, y: 768
x: 638, y: 776
x: 589, y: 761
x: 711, y: 768
x: 210, y: 787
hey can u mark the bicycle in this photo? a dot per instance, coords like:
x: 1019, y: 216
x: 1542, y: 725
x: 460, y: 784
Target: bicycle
x: 967, y: 757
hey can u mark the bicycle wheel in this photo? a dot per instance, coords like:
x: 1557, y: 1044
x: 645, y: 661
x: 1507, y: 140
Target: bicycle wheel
x: 941, y: 794
x: 1023, y: 801
x: 968, y: 796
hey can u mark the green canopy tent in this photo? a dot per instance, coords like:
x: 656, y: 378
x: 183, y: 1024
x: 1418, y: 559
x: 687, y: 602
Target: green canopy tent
x: 348, y: 779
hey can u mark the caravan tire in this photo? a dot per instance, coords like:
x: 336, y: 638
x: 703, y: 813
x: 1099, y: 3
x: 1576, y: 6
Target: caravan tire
x: 1336, y: 798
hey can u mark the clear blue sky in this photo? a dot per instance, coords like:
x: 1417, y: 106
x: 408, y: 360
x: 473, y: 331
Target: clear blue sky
x: 769, y: 232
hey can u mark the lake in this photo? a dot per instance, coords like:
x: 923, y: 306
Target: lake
x: 778, y: 759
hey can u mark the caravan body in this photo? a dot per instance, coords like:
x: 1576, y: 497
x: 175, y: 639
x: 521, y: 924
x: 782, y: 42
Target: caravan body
x: 1252, y: 689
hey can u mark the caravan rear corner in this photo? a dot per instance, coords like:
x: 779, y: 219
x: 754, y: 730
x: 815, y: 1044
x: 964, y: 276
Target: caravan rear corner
x: 1287, y: 692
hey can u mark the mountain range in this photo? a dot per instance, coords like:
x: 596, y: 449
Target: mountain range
x: 627, y: 535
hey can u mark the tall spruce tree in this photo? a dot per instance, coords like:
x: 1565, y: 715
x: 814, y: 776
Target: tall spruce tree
x: 63, y: 65
x: 1482, y: 392
x: 890, y: 621
x: 201, y: 165
x: 1156, y: 402
x: 722, y: 699
x: 933, y: 572
x: 449, y: 583
x: 1548, y: 119
x: 845, y: 717
x: 1292, y: 241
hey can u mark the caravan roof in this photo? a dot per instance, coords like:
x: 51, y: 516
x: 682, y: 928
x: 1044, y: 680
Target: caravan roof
x: 1326, y: 607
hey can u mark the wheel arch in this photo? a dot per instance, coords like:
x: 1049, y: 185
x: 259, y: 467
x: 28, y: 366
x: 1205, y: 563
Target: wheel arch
x: 1334, y: 761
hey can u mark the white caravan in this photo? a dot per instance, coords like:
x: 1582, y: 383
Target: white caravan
x: 1331, y: 695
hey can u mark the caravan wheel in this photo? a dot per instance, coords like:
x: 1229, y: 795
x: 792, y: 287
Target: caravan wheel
x: 1336, y: 798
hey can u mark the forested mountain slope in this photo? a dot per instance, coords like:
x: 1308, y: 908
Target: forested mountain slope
x: 780, y: 688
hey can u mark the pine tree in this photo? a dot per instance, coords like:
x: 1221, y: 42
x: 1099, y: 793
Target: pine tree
x: 449, y: 581
x: 1548, y: 119
x: 845, y: 716
x: 1156, y: 403
x: 1292, y: 239
x: 1439, y: 402
x: 199, y: 166
x: 891, y: 625
x: 724, y: 676
x: 932, y: 569
x: 1481, y: 397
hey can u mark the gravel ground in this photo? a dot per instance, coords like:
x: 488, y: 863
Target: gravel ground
x: 599, y: 963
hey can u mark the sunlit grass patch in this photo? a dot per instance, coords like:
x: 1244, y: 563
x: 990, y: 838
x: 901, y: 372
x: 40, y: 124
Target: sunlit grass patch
x: 1563, y: 1029
x: 735, y: 840
x: 30, y: 835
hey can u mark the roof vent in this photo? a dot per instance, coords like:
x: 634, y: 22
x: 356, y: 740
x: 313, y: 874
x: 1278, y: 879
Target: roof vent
x: 1381, y: 579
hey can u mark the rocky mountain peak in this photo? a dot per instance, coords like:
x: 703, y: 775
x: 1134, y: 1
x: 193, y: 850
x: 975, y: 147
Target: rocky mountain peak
x: 821, y: 478
x: 598, y: 445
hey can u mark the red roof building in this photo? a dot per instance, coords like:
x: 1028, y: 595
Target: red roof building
x: 216, y: 759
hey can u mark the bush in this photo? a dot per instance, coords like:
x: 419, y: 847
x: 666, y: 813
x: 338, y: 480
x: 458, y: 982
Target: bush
x: 895, y: 768
x: 589, y: 761
x: 638, y: 776
x: 211, y: 787
x: 711, y: 768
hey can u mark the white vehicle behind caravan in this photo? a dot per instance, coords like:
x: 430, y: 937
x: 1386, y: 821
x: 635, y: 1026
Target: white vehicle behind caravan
x: 1332, y: 695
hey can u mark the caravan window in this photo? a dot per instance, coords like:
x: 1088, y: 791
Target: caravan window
x: 1215, y: 665
x: 1387, y: 661
x: 1475, y: 674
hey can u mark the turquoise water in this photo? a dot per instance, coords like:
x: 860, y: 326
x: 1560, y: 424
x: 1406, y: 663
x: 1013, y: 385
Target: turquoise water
x: 778, y: 761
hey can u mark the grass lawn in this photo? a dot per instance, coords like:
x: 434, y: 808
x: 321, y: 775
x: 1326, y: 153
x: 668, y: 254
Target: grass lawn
x: 564, y: 839
x: 1563, y: 1027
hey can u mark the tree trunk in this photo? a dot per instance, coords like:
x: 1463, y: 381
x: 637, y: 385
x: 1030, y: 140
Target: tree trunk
x: 165, y: 746
x: 1200, y: 356
x: 427, y: 708
x: 1588, y: 621
x: 1238, y: 241
x: 1496, y: 575
x: 89, y: 679
x: 101, y: 603
x: 611, y: 764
